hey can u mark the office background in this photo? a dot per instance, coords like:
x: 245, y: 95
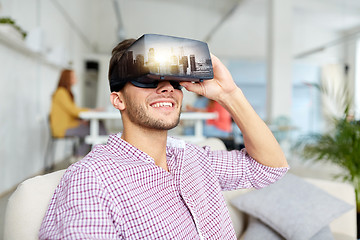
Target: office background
x: 276, y: 50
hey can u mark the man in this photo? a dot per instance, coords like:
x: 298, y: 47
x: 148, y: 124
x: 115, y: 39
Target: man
x: 145, y: 185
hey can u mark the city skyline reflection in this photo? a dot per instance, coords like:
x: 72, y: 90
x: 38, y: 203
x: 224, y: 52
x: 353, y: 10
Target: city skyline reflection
x: 175, y: 57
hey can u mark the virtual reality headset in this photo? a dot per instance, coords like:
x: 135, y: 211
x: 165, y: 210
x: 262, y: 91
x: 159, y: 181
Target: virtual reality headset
x: 162, y: 58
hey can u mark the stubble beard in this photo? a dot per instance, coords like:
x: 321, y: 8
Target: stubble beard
x: 138, y: 115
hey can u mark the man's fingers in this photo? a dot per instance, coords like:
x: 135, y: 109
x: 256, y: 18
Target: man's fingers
x: 194, y: 87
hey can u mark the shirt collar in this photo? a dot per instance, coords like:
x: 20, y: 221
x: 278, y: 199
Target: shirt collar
x: 115, y: 143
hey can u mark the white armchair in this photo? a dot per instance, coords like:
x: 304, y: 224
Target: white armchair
x: 27, y: 206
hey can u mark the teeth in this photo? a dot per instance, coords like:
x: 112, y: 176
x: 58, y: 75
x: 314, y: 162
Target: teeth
x: 162, y: 104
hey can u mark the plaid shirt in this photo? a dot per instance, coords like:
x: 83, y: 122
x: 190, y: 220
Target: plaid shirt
x: 117, y: 192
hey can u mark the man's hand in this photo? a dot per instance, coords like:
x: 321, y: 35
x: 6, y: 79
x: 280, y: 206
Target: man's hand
x: 217, y: 88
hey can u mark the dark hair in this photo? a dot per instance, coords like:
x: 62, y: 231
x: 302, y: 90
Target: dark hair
x: 65, y: 80
x: 117, y: 53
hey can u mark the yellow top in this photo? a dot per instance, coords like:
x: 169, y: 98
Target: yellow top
x: 64, y: 112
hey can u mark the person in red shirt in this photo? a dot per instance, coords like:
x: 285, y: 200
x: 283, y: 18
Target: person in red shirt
x: 221, y: 126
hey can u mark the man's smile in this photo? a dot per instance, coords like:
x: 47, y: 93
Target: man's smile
x: 162, y: 104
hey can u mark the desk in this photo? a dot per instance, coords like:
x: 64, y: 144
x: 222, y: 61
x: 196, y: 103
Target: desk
x: 95, y: 117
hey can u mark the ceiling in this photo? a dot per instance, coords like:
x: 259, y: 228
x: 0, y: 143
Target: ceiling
x: 232, y: 28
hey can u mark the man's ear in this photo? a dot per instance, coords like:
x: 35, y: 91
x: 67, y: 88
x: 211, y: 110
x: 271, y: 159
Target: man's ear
x: 117, y: 100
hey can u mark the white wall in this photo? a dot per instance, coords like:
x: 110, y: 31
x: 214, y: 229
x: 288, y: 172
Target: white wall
x: 26, y: 85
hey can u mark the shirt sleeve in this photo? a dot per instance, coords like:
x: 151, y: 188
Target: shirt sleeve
x: 237, y: 169
x: 80, y: 209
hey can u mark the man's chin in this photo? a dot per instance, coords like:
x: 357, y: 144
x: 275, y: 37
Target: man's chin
x: 170, y: 124
x: 167, y: 126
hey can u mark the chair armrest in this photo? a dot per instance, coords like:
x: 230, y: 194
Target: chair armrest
x: 28, y: 204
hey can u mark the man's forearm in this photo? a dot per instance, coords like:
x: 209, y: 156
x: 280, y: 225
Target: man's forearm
x: 259, y: 141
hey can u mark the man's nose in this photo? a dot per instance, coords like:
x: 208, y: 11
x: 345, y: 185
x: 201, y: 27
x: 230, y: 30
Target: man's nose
x: 165, y: 86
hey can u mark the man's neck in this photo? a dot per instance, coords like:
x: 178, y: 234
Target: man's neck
x: 151, y: 142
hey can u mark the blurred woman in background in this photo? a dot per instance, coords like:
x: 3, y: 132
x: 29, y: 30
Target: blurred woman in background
x: 64, y: 114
